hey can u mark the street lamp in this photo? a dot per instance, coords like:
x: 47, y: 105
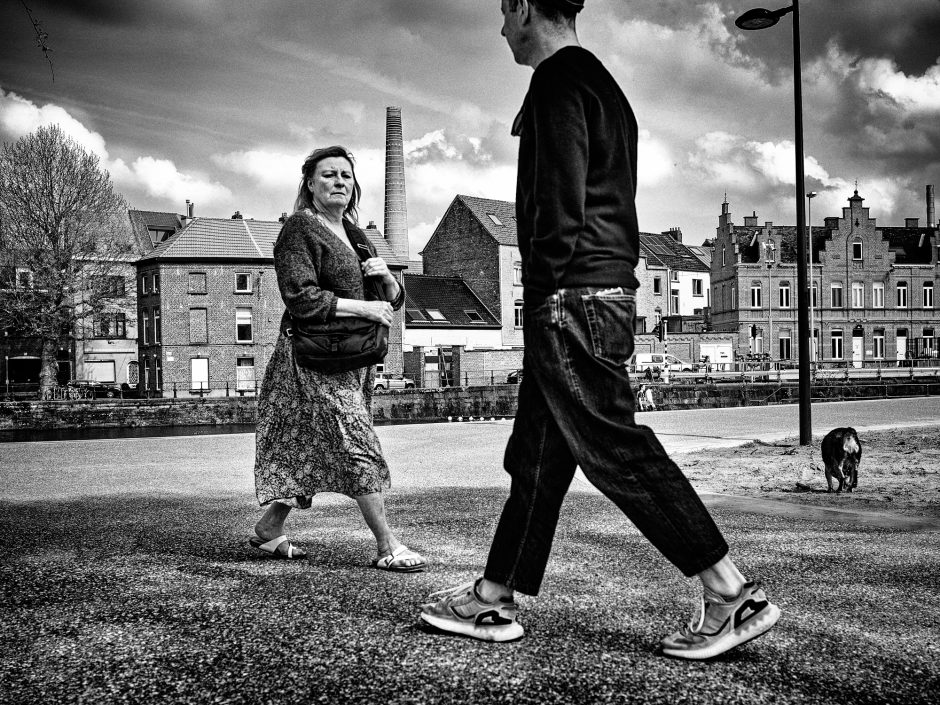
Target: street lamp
x: 761, y: 19
x: 809, y: 263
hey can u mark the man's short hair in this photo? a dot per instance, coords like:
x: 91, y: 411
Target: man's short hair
x: 557, y: 11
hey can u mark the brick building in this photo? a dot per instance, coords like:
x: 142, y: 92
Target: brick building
x: 872, y: 290
x: 476, y: 240
x: 209, y: 308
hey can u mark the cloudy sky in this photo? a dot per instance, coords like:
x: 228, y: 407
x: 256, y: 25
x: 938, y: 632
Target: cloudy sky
x: 218, y: 101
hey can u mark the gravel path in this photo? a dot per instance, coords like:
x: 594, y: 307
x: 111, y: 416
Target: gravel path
x: 125, y: 577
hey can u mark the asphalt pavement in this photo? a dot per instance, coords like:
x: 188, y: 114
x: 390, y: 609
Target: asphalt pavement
x: 125, y: 577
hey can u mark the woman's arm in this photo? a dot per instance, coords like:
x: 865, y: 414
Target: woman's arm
x: 297, y: 266
x: 378, y: 311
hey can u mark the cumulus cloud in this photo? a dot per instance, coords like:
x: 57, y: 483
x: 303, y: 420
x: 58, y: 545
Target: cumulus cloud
x: 159, y: 178
x: 19, y: 117
x: 654, y: 160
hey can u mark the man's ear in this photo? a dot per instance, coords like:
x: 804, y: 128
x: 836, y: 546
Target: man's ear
x: 525, y: 12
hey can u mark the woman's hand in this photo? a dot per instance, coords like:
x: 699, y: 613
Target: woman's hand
x: 376, y: 267
x: 378, y: 311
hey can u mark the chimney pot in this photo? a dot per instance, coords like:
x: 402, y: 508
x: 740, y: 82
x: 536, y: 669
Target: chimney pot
x: 237, y: 215
x: 283, y: 218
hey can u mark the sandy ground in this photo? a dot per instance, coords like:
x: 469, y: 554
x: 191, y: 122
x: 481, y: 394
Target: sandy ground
x: 899, y: 472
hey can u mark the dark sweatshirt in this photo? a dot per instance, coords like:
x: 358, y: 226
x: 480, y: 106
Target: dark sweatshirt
x: 576, y: 183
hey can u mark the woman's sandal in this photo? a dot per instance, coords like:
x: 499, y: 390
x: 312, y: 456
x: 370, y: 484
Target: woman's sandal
x: 270, y: 547
x: 395, y: 561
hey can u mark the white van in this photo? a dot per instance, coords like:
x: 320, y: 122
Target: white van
x: 658, y: 362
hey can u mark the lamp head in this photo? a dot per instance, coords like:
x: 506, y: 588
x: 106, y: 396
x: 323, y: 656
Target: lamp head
x: 759, y: 18
x: 811, y: 194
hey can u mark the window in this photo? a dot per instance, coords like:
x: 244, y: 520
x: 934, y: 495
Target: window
x: 435, y: 315
x: 858, y: 294
x: 156, y: 282
x: 198, y: 326
x: 518, y: 315
x: 675, y: 276
x: 658, y: 285
x: 145, y: 284
x: 133, y: 373
x: 199, y: 372
x: 242, y: 283
x: 814, y: 296
x: 245, y: 373
x: 878, y: 344
x: 770, y: 251
x: 474, y: 316
x: 928, y: 294
x: 517, y: 273
x: 784, y: 295
x: 856, y: 250
x: 836, y: 295
x: 786, y: 350
x: 734, y: 298
x: 197, y: 282
x: 755, y: 296
x: 930, y: 349
x: 145, y: 326
x: 496, y: 221
x: 158, y: 372
x: 157, y: 328
x: 836, y: 344
x: 109, y: 325
x: 878, y: 295
x: 243, y: 325
x: 414, y: 314
x: 675, y: 301
x: 722, y: 255
x: 902, y: 294
x: 697, y: 287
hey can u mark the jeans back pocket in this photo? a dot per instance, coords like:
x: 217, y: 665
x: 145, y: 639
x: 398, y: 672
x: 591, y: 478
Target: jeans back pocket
x: 610, y: 322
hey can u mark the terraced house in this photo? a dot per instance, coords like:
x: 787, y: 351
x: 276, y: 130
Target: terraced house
x: 209, y: 309
x: 872, y: 290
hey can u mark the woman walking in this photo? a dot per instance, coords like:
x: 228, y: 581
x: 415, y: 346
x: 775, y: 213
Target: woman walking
x: 315, y: 430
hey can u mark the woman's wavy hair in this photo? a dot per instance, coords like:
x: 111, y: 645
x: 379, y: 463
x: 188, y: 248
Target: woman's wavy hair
x: 305, y: 198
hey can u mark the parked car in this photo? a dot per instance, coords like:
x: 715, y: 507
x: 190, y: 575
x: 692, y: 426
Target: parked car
x: 385, y: 381
x: 659, y: 361
x: 514, y: 377
x: 93, y: 389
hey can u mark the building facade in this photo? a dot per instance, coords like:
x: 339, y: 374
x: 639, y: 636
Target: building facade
x: 872, y: 290
x: 209, y: 308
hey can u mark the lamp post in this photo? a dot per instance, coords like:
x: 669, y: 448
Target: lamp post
x: 761, y: 19
x: 812, y: 279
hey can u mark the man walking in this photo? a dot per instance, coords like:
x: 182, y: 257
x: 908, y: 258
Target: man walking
x: 579, y: 240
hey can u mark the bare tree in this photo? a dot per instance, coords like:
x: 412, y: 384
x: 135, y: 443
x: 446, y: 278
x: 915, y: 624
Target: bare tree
x: 64, y: 234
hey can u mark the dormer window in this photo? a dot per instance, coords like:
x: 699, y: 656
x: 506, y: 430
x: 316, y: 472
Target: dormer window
x: 496, y: 221
x: 435, y: 315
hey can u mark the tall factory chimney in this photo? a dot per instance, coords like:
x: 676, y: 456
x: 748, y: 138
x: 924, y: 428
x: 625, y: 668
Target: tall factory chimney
x: 396, y: 212
x: 931, y: 213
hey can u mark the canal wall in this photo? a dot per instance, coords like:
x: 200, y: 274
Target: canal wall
x: 425, y: 405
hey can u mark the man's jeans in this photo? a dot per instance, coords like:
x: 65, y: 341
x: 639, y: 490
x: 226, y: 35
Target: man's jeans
x: 576, y: 407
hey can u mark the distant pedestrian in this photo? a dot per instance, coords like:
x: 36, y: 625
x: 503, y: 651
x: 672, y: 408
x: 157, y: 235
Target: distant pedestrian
x: 579, y: 240
x: 315, y: 430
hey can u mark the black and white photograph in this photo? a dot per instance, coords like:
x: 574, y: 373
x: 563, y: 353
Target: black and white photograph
x: 469, y: 351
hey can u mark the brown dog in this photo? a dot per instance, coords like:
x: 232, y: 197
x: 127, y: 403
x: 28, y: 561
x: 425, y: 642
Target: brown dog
x: 842, y: 453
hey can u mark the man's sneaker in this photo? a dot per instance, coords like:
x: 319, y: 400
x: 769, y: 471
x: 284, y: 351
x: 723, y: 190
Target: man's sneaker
x: 722, y: 624
x: 460, y: 610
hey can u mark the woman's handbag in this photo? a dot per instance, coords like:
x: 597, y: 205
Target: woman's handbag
x: 341, y: 344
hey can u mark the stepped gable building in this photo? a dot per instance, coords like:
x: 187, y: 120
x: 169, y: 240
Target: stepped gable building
x: 872, y: 290
x: 209, y: 308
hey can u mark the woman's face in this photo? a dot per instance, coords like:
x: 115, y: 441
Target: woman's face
x: 331, y: 185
